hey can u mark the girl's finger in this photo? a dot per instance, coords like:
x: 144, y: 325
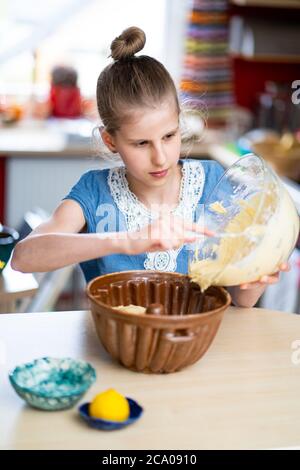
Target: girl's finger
x: 195, y: 232
x: 284, y: 267
x: 272, y: 279
x: 244, y: 286
x: 250, y: 285
x: 189, y: 239
x: 194, y: 227
x: 187, y: 226
x: 263, y: 280
x: 203, y: 230
x: 269, y: 279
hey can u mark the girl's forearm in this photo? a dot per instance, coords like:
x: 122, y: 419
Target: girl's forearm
x: 246, y: 298
x: 47, y: 252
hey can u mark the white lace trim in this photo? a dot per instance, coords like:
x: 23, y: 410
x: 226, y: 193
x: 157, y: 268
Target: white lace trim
x: 137, y: 215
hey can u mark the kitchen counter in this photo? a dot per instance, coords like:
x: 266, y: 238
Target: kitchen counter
x: 244, y: 393
x: 55, y: 138
x: 72, y: 138
x: 227, y: 158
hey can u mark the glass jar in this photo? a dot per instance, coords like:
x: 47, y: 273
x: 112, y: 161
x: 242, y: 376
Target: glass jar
x: 255, y: 222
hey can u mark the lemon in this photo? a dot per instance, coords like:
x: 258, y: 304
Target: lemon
x: 109, y: 405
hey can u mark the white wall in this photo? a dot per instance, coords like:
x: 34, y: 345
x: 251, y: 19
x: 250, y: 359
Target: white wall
x: 40, y: 182
x: 175, y: 23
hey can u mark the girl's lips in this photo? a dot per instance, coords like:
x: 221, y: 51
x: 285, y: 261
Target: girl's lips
x: 159, y: 174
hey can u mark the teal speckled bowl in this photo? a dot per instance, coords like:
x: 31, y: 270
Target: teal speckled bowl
x: 52, y: 383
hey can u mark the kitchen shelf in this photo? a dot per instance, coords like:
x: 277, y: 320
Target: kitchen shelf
x: 267, y: 3
x: 287, y: 59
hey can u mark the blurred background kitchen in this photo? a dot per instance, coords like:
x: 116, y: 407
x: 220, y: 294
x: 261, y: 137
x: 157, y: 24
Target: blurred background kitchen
x: 236, y: 63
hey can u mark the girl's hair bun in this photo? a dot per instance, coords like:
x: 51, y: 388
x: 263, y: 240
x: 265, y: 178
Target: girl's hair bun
x: 131, y: 41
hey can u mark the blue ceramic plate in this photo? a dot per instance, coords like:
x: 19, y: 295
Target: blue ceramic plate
x: 135, y: 413
x: 52, y: 383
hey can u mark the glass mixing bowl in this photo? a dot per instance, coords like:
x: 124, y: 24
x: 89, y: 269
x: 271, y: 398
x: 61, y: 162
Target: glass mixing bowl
x: 255, y: 222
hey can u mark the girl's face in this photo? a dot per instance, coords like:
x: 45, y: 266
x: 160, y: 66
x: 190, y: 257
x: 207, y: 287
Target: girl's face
x: 149, y: 144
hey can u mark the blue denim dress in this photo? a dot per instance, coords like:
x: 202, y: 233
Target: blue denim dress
x: 108, y: 205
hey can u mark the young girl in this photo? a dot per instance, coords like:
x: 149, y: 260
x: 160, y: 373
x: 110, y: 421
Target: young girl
x: 140, y: 215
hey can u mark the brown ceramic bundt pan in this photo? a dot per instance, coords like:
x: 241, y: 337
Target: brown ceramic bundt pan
x: 166, y: 338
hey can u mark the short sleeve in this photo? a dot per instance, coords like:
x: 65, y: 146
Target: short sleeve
x: 213, y: 172
x: 83, y: 193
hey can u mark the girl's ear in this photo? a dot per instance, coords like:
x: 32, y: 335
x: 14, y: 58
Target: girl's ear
x: 108, y: 139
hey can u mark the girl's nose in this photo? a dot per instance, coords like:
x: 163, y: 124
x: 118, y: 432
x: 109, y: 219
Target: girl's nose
x: 158, y: 157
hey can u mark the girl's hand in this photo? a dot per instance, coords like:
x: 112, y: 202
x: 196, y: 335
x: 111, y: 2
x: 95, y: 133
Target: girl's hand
x: 247, y: 295
x: 165, y: 233
x: 266, y: 280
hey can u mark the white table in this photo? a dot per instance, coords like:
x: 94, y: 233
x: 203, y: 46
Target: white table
x: 244, y: 393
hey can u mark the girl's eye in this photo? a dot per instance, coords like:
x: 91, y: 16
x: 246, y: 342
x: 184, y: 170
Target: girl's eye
x: 169, y: 136
x: 142, y: 144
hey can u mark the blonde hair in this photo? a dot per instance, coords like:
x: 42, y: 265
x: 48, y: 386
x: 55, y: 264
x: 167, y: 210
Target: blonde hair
x: 131, y: 81
x: 138, y: 81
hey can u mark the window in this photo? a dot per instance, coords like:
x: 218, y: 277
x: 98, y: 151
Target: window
x: 36, y: 35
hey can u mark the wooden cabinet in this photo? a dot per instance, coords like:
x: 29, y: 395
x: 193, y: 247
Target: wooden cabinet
x: 251, y: 72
